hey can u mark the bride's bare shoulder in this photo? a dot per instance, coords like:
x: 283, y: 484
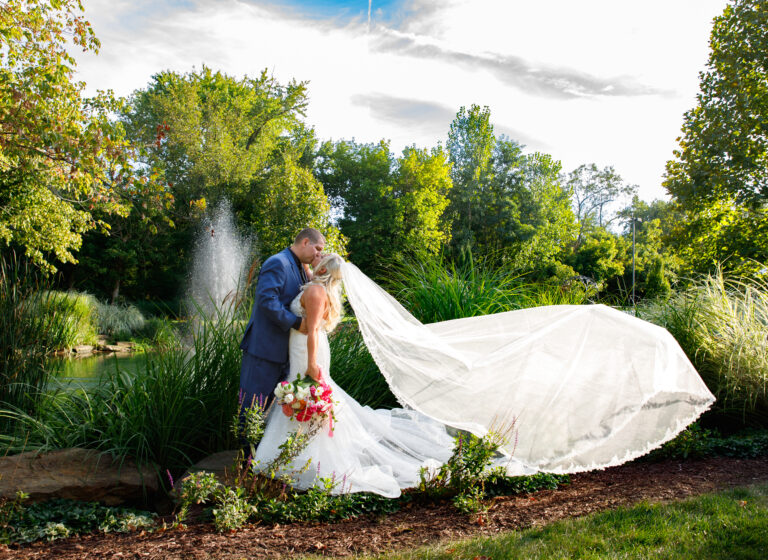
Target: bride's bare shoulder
x: 313, y: 293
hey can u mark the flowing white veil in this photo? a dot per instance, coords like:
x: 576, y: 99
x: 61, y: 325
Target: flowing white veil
x: 589, y: 386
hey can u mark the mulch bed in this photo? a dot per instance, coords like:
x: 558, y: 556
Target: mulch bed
x: 415, y: 525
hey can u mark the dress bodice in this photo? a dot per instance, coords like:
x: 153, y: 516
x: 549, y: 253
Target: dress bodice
x: 298, y: 309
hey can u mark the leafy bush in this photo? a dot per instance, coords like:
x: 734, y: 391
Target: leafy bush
x: 159, y: 332
x: 697, y: 442
x: 57, y: 519
x: 694, y: 442
x: 722, y: 325
x: 498, y: 483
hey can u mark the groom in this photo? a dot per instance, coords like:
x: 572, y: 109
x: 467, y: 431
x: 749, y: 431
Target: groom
x: 265, y: 343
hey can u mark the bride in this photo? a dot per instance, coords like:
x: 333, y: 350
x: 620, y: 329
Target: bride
x: 586, y: 386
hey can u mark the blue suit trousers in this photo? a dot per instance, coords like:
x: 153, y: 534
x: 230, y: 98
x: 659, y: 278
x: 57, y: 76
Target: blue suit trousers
x: 258, y: 379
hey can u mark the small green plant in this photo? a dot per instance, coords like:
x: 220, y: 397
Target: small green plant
x: 694, y: 442
x: 63, y: 518
x: 464, y: 475
x: 9, y: 511
x: 498, y: 483
x: 232, y: 509
x: 249, y: 425
x: 470, y: 501
x: 197, y: 488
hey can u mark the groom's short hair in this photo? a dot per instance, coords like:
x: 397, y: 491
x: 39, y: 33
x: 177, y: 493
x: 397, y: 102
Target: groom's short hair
x: 312, y: 234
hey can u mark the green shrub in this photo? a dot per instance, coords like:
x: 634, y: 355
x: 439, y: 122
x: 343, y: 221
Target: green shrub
x: 722, y: 325
x: 60, y: 518
x: 434, y: 289
x: 159, y: 332
x: 697, y: 442
x: 119, y: 321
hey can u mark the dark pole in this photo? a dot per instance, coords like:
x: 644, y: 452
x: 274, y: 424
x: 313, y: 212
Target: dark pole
x: 634, y: 304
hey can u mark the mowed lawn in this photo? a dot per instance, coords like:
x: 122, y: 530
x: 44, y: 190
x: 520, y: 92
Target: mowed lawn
x: 731, y: 524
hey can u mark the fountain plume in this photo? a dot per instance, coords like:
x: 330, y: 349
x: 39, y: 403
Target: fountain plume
x: 220, y: 260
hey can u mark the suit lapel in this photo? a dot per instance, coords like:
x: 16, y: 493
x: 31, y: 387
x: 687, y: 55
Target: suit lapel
x: 296, y: 272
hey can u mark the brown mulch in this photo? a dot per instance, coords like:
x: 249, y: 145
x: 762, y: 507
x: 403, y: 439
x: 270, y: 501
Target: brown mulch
x: 415, y: 525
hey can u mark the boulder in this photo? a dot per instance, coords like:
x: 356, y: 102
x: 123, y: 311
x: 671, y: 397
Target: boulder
x: 222, y: 464
x: 82, y: 349
x: 78, y: 474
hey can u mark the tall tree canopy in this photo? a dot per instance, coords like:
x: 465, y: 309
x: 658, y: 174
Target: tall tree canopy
x: 387, y: 206
x: 61, y: 155
x: 724, y: 147
x: 719, y: 177
x: 210, y: 136
x: 504, y: 201
x: 595, y: 193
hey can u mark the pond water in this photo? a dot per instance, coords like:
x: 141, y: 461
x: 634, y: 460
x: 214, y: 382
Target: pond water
x: 90, y: 369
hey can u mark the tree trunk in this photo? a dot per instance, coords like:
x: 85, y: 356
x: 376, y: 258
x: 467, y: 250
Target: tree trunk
x: 116, y: 290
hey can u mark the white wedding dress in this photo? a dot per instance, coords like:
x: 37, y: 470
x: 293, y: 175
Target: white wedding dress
x: 379, y: 451
x: 586, y: 386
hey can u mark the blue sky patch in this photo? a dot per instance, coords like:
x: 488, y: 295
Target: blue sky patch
x: 345, y: 9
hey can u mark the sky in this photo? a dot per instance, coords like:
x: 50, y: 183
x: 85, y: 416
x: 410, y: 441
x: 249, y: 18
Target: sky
x: 588, y: 81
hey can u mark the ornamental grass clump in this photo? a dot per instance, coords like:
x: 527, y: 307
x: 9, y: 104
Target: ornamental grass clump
x: 72, y: 316
x: 722, y: 324
x: 34, y: 322
x: 169, y: 414
x: 434, y: 289
x: 119, y: 321
x: 355, y: 371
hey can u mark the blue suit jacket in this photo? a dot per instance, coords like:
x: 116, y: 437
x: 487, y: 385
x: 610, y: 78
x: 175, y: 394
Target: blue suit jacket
x: 266, y: 335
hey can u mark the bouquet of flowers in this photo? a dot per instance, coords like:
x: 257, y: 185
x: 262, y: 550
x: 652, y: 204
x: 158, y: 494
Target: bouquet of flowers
x: 306, y: 399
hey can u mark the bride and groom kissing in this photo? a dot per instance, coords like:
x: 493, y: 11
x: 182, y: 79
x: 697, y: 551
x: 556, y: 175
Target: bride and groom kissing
x: 587, y: 386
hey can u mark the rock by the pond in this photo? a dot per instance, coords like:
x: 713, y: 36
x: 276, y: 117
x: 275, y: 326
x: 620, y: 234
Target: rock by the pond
x: 82, y: 349
x: 78, y: 474
x: 222, y: 464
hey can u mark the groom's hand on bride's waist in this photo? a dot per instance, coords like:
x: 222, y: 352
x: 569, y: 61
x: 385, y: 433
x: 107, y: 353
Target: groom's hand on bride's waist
x: 303, y: 327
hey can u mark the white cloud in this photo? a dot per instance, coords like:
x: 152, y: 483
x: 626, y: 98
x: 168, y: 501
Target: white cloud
x: 596, y: 80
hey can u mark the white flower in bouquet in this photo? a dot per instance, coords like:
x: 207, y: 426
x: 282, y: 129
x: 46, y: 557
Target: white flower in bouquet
x: 288, y: 398
x: 302, y: 393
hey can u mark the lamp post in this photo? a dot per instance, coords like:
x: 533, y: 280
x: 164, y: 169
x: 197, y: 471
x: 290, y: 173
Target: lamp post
x: 634, y: 301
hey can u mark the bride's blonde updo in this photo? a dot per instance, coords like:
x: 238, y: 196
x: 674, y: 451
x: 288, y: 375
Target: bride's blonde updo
x: 331, y: 280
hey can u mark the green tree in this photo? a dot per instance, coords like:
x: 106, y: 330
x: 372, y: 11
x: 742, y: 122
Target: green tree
x: 504, y: 202
x: 61, y: 154
x: 719, y: 175
x: 594, y: 192
x: 211, y: 136
x: 656, y: 261
x: 387, y: 206
x: 724, y: 233
x: 470, y: 147
x: 723, y: 151
x: 601, y: 256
